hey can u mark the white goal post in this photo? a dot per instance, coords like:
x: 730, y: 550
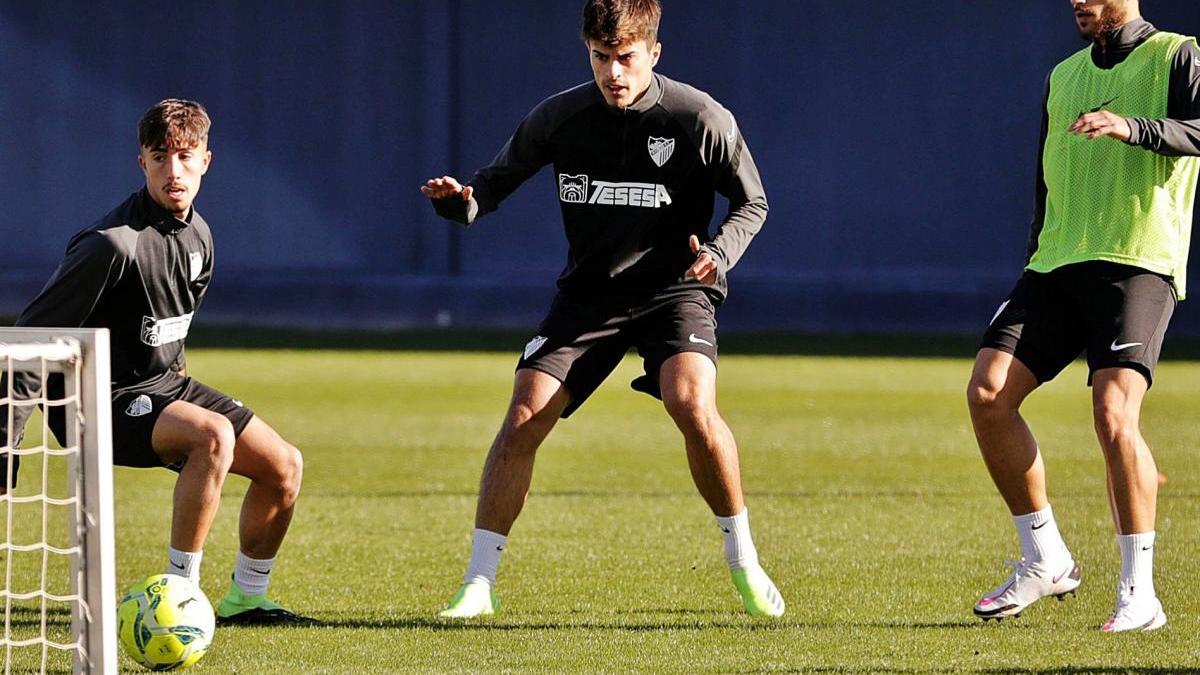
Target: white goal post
x: 81, y: 356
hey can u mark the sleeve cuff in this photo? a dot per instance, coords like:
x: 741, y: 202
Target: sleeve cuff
x: 717, y: 255
x: 1137, y: 128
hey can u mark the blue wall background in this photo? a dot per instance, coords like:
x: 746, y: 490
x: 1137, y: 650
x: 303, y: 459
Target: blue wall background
x: 896, y: 141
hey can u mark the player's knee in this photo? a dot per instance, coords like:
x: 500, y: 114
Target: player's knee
x: 524, y: 418
x: 1115, y: 427
x: 985, y: 398
x: 214, y: 443
x: 289, y: 474
x: 690, y: 412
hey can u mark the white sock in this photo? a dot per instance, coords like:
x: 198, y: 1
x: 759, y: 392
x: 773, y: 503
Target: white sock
x: 252, y: 576
x: 486, y: 547
x: 1040, y: 539
x: 184, y: 564
x: 739, y: 546
x: 1137, y: 563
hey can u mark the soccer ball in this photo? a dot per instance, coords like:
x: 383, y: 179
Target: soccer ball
x: 166, y: 622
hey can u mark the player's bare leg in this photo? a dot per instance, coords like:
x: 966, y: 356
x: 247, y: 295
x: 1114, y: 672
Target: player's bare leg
x: 204, y: 441
x: 1117, y: 395
x: 688, y: 382
x: 537, y: 403
x: 275, y: 469
x: 999, y: 385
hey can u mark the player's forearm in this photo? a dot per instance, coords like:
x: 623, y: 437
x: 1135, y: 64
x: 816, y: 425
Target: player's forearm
x: 735, y: 233
x: 456, y: 209
x: 1172, y: 138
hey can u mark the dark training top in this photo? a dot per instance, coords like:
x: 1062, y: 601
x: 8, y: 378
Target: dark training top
x: 1176, y: 136
x: 139, y: 272
x: 633, y: 185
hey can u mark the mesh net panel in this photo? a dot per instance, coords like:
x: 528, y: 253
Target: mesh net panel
x: 43, y: 513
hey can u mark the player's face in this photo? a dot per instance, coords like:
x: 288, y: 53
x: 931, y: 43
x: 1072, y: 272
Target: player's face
x: 623, y: 72
x: 1093, y: 17
x: 173, y: 175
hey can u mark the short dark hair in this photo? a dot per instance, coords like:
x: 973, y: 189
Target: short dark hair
x: 174, y: 123
x: 612, y: 22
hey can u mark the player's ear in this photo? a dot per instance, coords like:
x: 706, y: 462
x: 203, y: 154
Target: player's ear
x: 655, y: 52
x: 207, y: 161
x: 142, y: 163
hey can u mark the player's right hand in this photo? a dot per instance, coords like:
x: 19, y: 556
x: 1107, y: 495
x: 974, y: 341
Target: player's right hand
x: 446, y: 187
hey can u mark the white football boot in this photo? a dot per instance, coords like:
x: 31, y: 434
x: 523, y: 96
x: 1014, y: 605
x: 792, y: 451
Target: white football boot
x: 1135, y: 613
x: 1028, y: 583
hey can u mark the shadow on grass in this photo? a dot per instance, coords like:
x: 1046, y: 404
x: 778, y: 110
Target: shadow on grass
x: 690, y: 620
x: 24, y: 618
x: 680, y: 619
x: 1062, y: 670
x: 31, y: 617
x: 1080, y: 670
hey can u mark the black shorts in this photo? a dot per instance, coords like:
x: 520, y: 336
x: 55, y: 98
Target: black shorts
x: 135, y: 411
x: 581, y: 343
x: 1118, y: 314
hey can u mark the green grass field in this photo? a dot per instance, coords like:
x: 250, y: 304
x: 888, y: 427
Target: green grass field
x: 870, y: 506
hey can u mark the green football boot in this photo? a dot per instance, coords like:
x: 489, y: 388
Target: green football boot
x: 759, y: 595
x: 237, y: 608
x: 472, y: 600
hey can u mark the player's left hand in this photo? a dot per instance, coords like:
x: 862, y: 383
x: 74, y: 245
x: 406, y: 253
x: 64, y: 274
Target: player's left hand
x: 1101, y: 123
x: 704, y: 269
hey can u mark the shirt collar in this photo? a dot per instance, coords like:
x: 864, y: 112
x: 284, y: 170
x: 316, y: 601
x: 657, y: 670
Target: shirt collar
x: 648, y: 100
x: 161, y: 219
x: 1120, y: 41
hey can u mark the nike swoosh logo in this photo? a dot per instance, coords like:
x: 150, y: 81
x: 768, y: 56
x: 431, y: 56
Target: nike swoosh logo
x: 725, y: 530
x: 1065, y: 572
x: 695, y: 340
x: 1147, y: 548
x: 998, y: 312
x: 1101, y: 106
x: 259, y: 571
x: 1118, y: 347
x: 499, y: 548
x: 1038, y: 527
x: 178, y: 567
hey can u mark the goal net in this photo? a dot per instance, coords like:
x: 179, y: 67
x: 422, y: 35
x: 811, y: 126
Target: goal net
x: 59, y: 586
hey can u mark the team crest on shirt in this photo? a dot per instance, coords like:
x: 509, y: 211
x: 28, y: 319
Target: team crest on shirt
x: 660, y: 149
x: 534, y: 345
x: 159, y: 332
x: 573, y: 189
x: 195, y: 265
x: 139, y: 406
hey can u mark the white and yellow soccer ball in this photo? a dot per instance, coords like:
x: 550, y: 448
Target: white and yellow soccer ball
x: 166, y: 622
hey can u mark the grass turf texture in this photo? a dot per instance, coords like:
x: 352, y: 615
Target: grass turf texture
x: 870, y: 507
